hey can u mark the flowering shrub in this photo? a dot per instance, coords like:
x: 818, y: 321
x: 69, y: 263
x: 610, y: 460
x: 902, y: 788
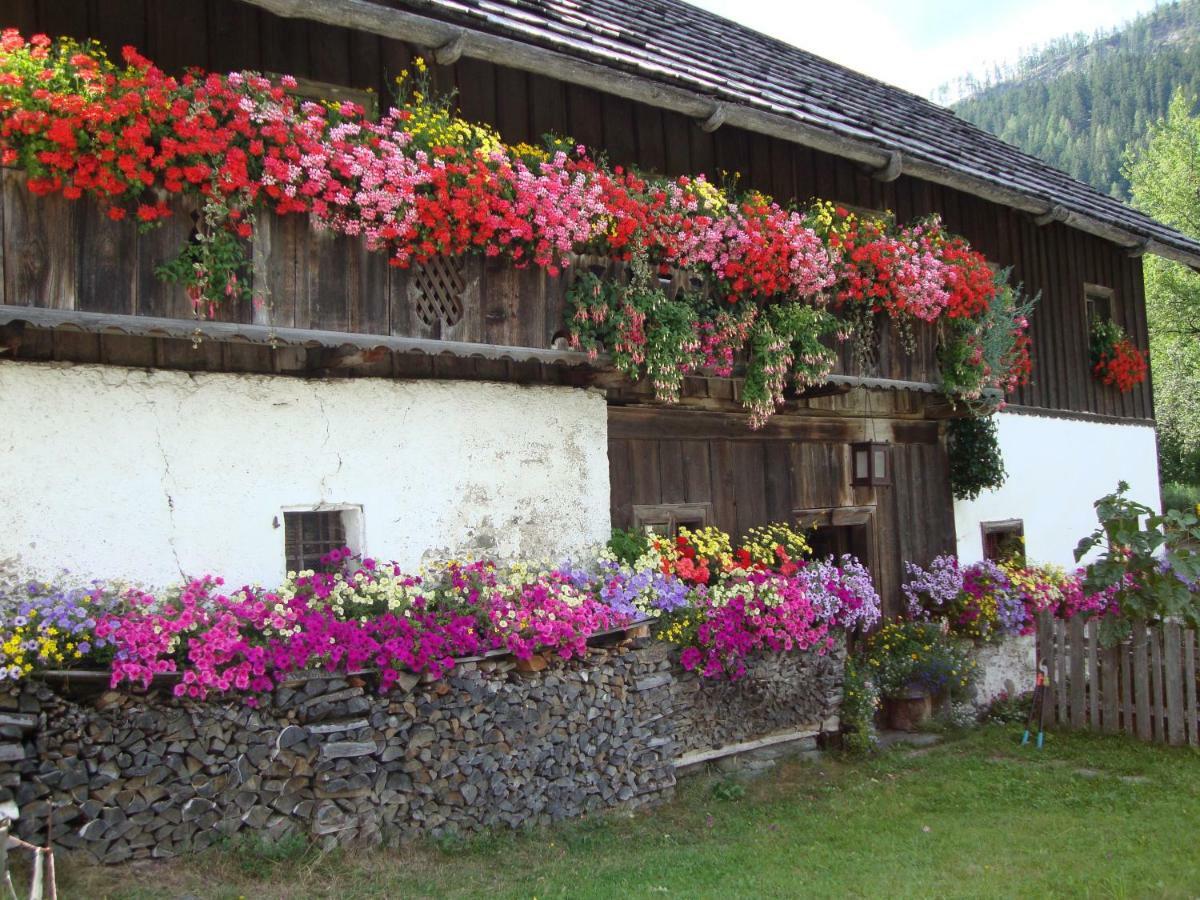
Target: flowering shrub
x: 917, y: 654
x: 1147, y: 566
x: 1116, y: 360
x: 756, y: 611
x: 987, y: 601
x: 421, y: 182
x: 356, y: 614
x: 763, y: 595
x: 47, y: 626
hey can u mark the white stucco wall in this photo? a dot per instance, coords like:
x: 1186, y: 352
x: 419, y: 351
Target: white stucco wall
x: 1008, y: 667
x: 146, y: 474
x: 1057, y: 468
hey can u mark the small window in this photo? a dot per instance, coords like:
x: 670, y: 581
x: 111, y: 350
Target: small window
x: 667, y: 519
x: 1004, y: 541
x: 310, y: 534
x: 1099, y: 304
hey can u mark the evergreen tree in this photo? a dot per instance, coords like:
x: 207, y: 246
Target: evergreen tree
x: 1081, y: 101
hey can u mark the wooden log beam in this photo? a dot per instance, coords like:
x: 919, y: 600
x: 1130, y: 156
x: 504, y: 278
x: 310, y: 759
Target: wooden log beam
x: 845, y: 141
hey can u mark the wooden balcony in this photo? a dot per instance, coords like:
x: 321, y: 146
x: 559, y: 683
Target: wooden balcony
x: 330, y: 302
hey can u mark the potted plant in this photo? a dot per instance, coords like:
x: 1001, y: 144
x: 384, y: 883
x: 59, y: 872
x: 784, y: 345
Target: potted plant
x: 915, y: 664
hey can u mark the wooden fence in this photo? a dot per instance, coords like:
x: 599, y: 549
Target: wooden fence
x: 1145, y: 686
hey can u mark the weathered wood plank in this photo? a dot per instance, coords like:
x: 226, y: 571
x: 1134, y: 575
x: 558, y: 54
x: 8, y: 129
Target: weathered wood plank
x: 1127, y: 693
x: 620, y: 483
x: 749, y: 485
x: 647, y: 479
x: 1191, y: 713
x: 1110, y: 688
x: 1173, y: 681
x: 697, y: 472
x: 1141, y: 679
x: 1153, y: 637
x: 671, y: 472
x: 39, y: 247
x: 1062, y: 714
x: 106, y: 268
x: 1078, y: 674
x: 1093, y: 674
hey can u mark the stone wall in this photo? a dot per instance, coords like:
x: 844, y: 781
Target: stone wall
x: 782, y: 694
x: 329, y: 758
x: 118, y: 776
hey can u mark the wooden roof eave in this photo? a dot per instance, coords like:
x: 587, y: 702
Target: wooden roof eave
x: 355, y: 348
x: 270, y: 335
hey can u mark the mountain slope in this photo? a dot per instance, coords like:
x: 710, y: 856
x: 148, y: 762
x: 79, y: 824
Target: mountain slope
x: 1080, y: 102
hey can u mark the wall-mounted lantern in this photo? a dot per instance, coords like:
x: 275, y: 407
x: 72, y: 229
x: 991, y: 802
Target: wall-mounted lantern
x: 871, y: 463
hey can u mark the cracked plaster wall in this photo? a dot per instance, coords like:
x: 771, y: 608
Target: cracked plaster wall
x: 115, y: 472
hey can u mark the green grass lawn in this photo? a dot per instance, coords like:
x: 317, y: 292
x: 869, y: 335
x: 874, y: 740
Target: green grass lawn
x: 975, y: 816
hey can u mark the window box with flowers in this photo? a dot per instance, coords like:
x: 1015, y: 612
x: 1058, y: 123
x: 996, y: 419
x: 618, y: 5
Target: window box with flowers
x: 1116, y: 360
x: 756, y: 280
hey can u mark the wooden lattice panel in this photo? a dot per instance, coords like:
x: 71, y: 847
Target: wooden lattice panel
x: 436, y: 290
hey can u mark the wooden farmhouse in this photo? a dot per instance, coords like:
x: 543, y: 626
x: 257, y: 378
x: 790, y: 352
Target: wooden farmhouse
x: 439, y: 408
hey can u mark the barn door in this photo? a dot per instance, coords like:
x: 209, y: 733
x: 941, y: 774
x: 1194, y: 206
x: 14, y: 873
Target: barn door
x: 671, y: 467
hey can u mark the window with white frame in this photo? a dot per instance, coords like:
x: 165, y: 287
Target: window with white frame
x: 312, y: 533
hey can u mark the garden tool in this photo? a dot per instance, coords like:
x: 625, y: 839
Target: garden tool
x: 1037, y: 707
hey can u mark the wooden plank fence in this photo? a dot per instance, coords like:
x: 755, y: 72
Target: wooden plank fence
x: 1145, y: 686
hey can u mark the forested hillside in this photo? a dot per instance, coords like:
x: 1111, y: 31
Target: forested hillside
x: 1080, y: 102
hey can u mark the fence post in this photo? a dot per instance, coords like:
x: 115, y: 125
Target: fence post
x: 1174, y: 682
x: 1091, y: 629
x: 1141, y: 679
x: 1078, y: 677
x: 1158, y: 709
x: 1189, y: 686
x: 1060, y: 684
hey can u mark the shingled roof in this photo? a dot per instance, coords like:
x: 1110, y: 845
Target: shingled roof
x: 680, y: 57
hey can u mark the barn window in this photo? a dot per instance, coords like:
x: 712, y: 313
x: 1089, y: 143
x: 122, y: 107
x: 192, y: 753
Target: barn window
x: 1098, y: 302
x: 666, y: 519
x: 310, y: 534
x: 1004, y: 541
x: 836, y: 531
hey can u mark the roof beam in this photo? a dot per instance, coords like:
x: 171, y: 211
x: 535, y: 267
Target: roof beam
x: 893, y: 170
x: 848, y: 143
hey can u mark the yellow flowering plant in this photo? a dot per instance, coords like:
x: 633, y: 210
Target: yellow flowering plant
x: 431, y: 117
x: 44, y: 625
x: 904, y: 655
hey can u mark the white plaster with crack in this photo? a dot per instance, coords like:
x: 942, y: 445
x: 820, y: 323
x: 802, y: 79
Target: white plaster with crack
x: 114, y: 472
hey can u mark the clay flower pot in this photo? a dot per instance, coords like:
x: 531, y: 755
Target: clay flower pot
x: 908, y: 710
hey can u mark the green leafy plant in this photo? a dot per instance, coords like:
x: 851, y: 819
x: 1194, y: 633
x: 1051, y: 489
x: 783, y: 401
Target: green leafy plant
x: 1149, y: 559
x: 785, y: 347
x: 976, y: 463
x: 972, y: 351
x: 904, y: 655
x: 628, y: 546
x: 729, y: 790
x: 1009, y: 709
x: 860, y: 702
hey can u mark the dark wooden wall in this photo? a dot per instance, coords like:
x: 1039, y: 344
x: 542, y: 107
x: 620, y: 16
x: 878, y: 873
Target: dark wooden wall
x: 795, y: 463
x: 1054, y: 260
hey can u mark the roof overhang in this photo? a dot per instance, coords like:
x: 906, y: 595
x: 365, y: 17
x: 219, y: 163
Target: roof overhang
x: 449, y: 41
